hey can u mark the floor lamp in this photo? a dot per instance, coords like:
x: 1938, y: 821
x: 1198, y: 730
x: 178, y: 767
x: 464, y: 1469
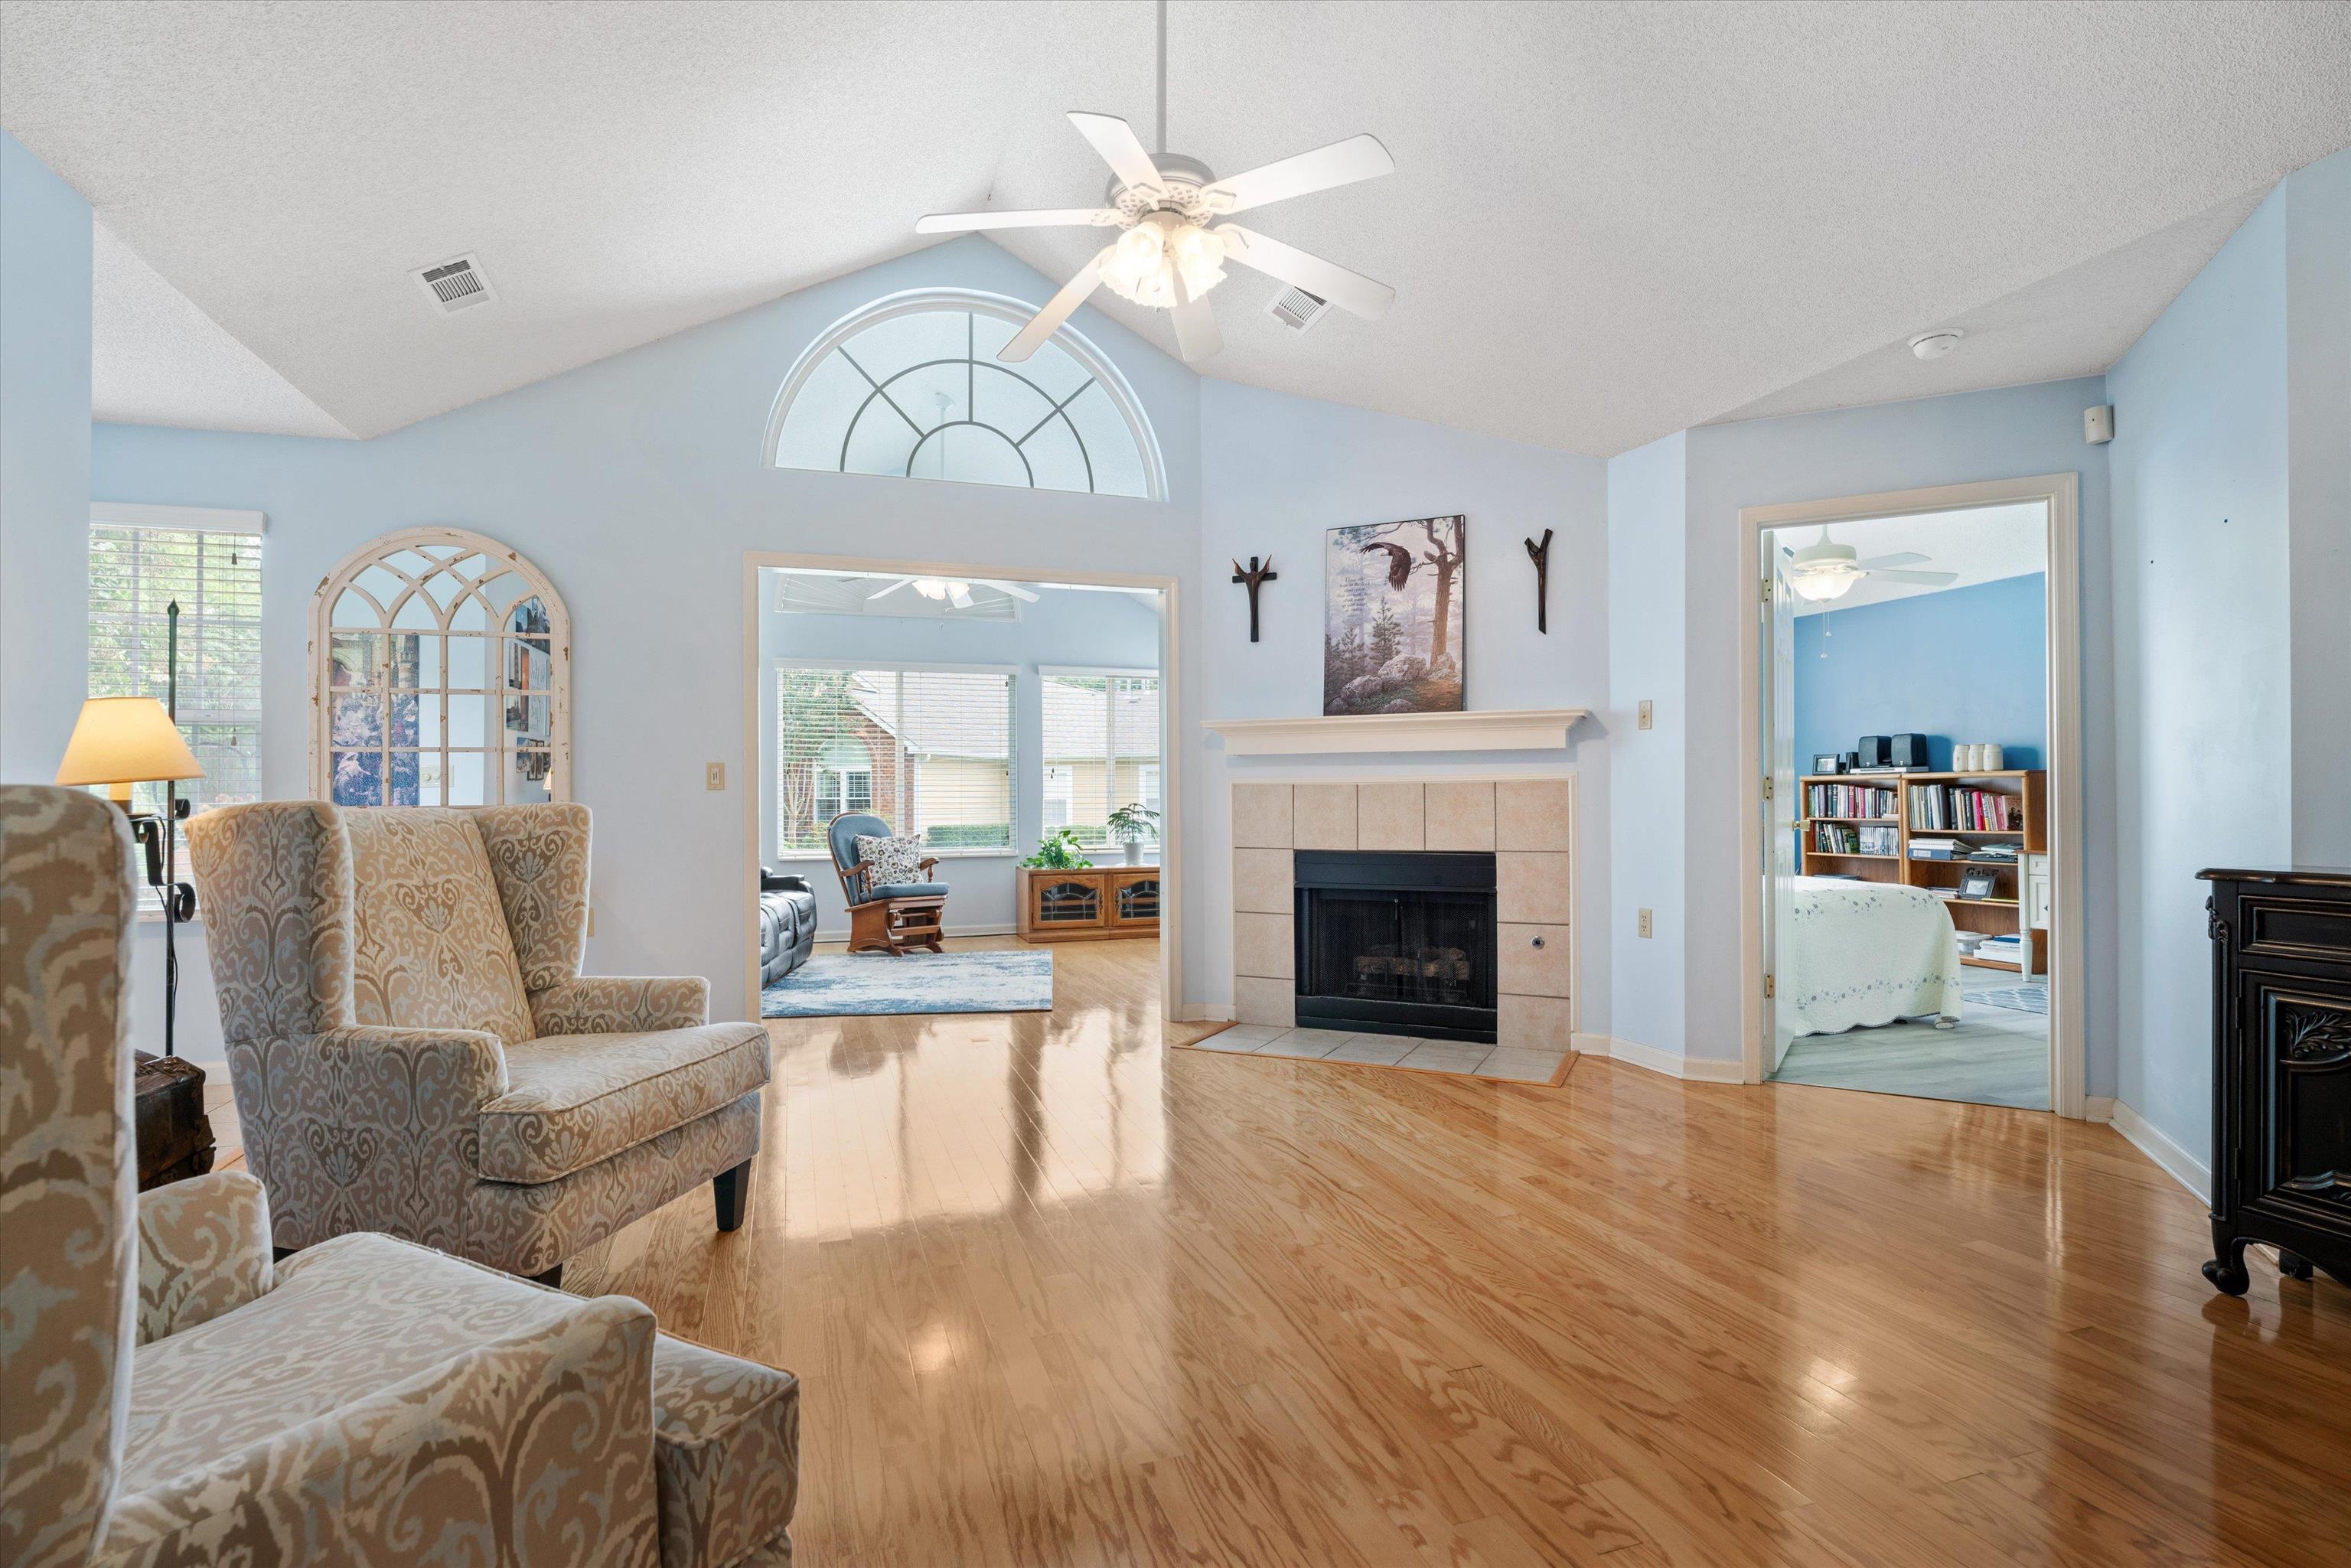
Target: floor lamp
x: 121, y: 741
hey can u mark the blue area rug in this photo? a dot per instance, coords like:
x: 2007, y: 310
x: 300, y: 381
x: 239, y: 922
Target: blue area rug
x: 849, y: 985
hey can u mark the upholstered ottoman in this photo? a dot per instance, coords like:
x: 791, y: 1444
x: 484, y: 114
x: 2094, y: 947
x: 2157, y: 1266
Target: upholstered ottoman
x: 727, y: 1436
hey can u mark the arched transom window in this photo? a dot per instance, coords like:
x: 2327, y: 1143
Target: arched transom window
x: 911, y: 387
x: 441, y: 675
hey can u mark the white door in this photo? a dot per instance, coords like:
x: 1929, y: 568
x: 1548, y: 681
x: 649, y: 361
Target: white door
x: 1782, y: 804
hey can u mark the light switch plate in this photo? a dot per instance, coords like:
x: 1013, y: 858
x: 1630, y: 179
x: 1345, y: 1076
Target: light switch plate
x: 714, y: 776
x: 1648, y: 713
x: 1645, y: 923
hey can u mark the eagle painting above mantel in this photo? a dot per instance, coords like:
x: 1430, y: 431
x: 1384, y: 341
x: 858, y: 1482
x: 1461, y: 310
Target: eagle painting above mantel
x: 1392, y: 634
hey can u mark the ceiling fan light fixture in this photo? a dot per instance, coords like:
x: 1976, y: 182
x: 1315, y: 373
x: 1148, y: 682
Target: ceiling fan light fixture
x: 1822, y: 585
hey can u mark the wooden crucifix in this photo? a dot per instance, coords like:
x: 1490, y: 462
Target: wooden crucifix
x: 1257, y: 575
x: 1541, y: 555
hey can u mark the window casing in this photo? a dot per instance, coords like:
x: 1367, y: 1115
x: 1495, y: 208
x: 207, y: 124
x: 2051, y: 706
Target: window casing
x: 911, y: 387
x: 1101, y: 750
x: 143, y: 559
x: 927, y: 749
x: 441, y: 675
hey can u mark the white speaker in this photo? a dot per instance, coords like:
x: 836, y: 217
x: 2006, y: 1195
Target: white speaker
x: 2098, y: 425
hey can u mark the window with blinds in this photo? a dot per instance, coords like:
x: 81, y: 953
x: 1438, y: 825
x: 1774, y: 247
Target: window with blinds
x: 1101, y: 749
x: 929, y: 750
x: 137, y: 571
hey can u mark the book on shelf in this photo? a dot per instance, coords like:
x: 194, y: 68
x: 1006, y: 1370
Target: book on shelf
x: 1848, y: 800
x: 1935, y: 849
x: 1849, y: 839
x: 1958, y: 808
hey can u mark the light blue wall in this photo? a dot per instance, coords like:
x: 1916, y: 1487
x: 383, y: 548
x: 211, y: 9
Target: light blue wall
x: 2003, y: 434
x: 637, y: 485
x: 1063, y: 627
x: 2203, y: 635
x: 1280, y: 471
x: 2319, y: 502
x: 1648, y: 503
x: 1964, y: 665
x: 45, y: 249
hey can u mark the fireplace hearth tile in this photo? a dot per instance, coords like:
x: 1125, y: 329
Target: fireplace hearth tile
x: 1241, y: 1038
x: 1263, y: 946
x: 1520, y: 1065
x: 1261, y: 816
x: 1264, y: 881
x: 1390, y: 817
x: 1542, y: 1023
x: 1524, y: 969
x: 1448, y: 1055
x: 1264, y: 1001
x: 1375, y: 1049
x: 1460, y: 815
x: 1531, y: 889
x: 1308, y: 1043
x: 1533, y: 814
x: 1322, y: 816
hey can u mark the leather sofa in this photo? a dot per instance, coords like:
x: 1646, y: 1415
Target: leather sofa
x: 786, y: 924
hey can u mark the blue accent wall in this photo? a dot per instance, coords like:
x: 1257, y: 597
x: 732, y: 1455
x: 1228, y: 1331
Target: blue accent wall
x: 1964, y: 665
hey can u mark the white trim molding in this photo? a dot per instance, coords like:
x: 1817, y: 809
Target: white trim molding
x: 2150, y: 1139
x: 201, y: 519
x: 1654, y: 1059
x: 2061, y: 493
x: 1515, y: 730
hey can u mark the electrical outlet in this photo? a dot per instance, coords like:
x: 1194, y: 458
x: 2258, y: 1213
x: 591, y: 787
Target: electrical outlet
x: 714, y: 776
x: 1648, y: 719
x: 1645, y: 923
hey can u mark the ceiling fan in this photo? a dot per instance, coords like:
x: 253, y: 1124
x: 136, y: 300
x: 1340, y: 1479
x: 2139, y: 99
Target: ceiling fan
x: 1825, y: 570
x: 955, y: 590
x: 1173, y: 241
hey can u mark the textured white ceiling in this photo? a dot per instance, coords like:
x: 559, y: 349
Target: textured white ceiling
x: 1609, y: 220
x: 1980, y: 544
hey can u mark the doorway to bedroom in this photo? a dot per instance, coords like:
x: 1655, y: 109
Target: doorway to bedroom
x: 1911, y: 897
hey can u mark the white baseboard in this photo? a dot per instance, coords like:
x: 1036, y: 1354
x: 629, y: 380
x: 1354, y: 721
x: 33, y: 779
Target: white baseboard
x: 1205, y: 1012
x: 2150, y: 1140
x: 843, y: 935
x: 1652, y: 1059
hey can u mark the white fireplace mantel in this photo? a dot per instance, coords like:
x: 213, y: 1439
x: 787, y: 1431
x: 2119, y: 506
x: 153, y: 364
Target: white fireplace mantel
x: 1510, y: 729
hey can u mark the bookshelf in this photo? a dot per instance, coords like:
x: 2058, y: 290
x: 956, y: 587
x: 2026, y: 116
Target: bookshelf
x: 2022, y: 794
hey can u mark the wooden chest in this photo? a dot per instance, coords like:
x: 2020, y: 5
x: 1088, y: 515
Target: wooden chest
x: 175, y: 1136
x: 2281, y: 1071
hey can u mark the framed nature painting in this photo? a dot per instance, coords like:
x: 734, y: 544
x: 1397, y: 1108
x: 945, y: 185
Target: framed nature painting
x: 1392, y: 617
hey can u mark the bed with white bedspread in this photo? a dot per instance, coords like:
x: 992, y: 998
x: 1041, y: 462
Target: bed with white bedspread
x: 1859, y: 954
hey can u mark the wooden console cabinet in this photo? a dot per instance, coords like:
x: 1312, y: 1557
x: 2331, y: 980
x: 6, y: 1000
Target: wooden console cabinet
x: 1080, y: 905
x: 2281, y: 1071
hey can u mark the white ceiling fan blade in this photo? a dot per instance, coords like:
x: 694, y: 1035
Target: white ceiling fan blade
x: 1931, y: 579
x: 1906, y: 558
x: 889, y: 590
x: 1323, y: 279
x: 1057, y: 310
x: 1120, y: 148
x: 959, y: 595
x: 1196, y: 336
x: 1013, y: 589
x: 1034, y: 218
x: 1340, y: 163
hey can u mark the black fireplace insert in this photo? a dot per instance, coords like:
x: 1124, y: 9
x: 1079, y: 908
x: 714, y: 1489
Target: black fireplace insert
x: 1391, y: 942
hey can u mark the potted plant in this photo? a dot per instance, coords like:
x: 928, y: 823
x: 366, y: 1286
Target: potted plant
x: 1130, y: 825
x: 1061, y: 852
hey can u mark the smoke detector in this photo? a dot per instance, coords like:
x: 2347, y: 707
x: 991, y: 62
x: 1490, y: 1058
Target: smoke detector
x: 455, y: 285
x: 1297, y: 309
x: 1935, y: 345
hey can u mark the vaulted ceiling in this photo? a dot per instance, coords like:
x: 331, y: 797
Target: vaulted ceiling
x: 1608, y: 222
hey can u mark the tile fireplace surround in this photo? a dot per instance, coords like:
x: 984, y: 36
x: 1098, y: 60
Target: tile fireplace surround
x: 1528, y: 825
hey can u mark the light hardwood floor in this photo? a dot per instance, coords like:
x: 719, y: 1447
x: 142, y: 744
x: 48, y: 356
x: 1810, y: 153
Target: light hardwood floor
x: 1061, y: 1295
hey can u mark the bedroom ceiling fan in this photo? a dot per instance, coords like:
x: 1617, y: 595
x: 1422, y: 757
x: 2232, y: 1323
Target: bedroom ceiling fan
x: 1825, y: 570
x: 953, y: 590
x: 1173, y: 242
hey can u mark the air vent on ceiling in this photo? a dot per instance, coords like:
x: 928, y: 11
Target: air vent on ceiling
x: 1297, y: 309
x: 457, y: 285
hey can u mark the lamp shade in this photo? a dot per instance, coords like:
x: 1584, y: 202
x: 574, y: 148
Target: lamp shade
x: 126, y: 740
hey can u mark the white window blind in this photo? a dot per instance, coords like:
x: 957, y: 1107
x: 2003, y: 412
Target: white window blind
x: 929, y: 750
x: 1100, y: 748
x: 136, y: 571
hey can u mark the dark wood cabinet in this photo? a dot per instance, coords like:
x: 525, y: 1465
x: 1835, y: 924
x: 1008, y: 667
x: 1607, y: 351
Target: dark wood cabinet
x: 2281, y: 1071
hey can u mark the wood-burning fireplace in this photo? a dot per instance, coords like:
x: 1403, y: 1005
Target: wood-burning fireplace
x: 1396, y: 942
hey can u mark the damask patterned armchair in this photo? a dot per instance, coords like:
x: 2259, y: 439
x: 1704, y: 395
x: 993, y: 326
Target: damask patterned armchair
x: 414, y: 1049
x: 169, y: 1395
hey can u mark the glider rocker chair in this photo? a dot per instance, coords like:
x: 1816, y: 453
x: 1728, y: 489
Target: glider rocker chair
x: 414, y: 1049
x: 175, y: 1398
x: 887, y: 917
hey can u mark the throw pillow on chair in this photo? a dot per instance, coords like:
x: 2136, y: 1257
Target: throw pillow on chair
x: 890, y: 863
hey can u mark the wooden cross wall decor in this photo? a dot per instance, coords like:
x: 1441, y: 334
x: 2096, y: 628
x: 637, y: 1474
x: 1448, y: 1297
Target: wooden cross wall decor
x: 1257, y: 575
x: 1541, y: 555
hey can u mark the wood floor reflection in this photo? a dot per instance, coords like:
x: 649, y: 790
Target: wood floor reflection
x: 1061, y: 1295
